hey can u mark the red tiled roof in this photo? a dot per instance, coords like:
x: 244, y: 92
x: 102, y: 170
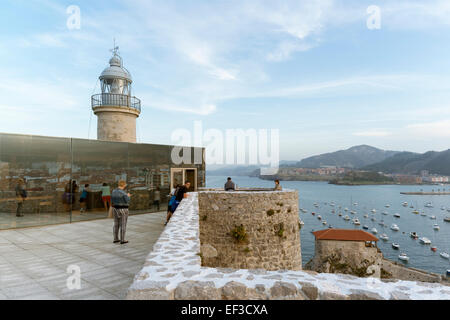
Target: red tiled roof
x: 344, y: 235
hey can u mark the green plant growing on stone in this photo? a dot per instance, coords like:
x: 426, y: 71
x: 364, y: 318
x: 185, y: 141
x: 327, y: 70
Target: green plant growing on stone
x: 280, y: 231
x: 270, y: 212
x: 239, y: 233
x: 247, y: 250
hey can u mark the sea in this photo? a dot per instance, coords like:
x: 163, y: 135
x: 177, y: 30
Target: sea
x: 362, y: 199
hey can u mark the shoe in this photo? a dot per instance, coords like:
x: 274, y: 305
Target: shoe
x: 116, y: 241
x: 122, y: 242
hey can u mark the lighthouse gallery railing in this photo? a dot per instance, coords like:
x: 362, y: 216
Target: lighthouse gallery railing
x: 115, y: 99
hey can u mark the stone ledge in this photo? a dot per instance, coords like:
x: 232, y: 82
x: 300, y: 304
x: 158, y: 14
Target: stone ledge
x: 173, y: 271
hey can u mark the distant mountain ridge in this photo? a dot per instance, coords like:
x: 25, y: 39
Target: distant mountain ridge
x: 412, y: 163
x: 354, y: 157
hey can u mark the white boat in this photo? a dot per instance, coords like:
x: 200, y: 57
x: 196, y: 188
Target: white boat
x: 403, y: 257
x: 366, y: 216
x: 365, y: 227
x: 425, y: 240
x: 384, y: 237
x: 394, y: 227
x: 436, y: 226
x: 385, y: 213
x: 423, y: 214
x: 396, y: 246
x: 373, y: 219
x: 356, y: 221
x: 433, y: 217
x: 374, y: 231
x: 345, y: 209
x: 387, y: 206
x: 352, y: 212
x: 405, y: 204
x: 444, y: 255
x: 319, y: 217
x: 397, y: 215
x: 355, y: 204
x: 447, y: 218
x: 373, y: 210
x: 302, y: 223
x: 346, y: 218
x: 429, y: 205
x: 324, y: 222
x: 442, y: 208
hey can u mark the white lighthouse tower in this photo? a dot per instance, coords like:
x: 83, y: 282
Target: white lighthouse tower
x: 115, y: 108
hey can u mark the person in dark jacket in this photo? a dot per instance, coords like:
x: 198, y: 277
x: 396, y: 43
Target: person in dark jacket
x: 229, y: 185
x: 120, y: 203
x: 21, y: 194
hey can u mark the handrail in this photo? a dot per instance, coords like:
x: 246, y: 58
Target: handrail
x: 115, y: 99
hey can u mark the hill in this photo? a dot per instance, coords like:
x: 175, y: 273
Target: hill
x: 354, y: 157
x: 413, y: 163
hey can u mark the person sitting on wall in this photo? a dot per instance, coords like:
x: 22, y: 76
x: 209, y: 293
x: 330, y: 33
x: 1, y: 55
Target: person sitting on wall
x: 21, y: 194
x: 229, y: 185
x: 277, y: 185
x: 171, y: 202
x: 120, y: 203
x: 180, y: 194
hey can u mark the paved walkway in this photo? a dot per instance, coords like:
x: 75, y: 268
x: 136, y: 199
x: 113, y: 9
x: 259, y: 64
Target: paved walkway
x: 33, y: 262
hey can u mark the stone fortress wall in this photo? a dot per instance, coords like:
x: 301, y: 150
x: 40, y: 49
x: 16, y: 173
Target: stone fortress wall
x: 173, y: 271
x: 250, y: 229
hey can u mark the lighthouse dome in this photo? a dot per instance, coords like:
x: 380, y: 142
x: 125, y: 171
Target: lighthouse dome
x: 116, y: 70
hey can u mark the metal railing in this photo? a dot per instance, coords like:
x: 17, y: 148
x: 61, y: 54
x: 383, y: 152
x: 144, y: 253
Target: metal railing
x: 115, y: 99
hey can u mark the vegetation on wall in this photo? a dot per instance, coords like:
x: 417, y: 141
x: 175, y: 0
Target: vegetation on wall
x: 239, y: 234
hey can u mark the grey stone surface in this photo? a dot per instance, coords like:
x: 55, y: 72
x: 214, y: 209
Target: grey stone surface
x: 197, y: 290
x: 358, y: 294
x: 234, y: 291
x: 310, y: 290
x: 326, y: 295
x: 33, y: 262
x: 398, y: 295
x: 284, y: 290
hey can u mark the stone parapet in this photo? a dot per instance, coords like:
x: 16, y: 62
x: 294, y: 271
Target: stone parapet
x: 250, y: 229
x: 173, y: 271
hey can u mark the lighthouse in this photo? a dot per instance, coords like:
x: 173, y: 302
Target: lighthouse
x: 115, y: 107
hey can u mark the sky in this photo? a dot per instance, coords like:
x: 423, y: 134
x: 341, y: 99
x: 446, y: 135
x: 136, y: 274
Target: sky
x: 314, y: 70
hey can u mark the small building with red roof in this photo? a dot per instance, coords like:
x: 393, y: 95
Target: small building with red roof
x: 348, y: 251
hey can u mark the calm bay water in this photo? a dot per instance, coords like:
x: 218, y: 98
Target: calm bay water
x: 368, y: 198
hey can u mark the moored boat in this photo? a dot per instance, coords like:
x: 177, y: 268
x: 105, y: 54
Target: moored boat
x: 356, y: 221
x: 374, y: 231
x: 425, y: 240
x: 445, y: 255
x: 403, y: 257
x: 414, y: 235
x: 384, y: 237
x: 346, y: 218
x: 397, y: 215
x: 365, y: 227
x: 433, y: 249
x: 394, y: 227
x: 436, y: 226
x: 396, y: 246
